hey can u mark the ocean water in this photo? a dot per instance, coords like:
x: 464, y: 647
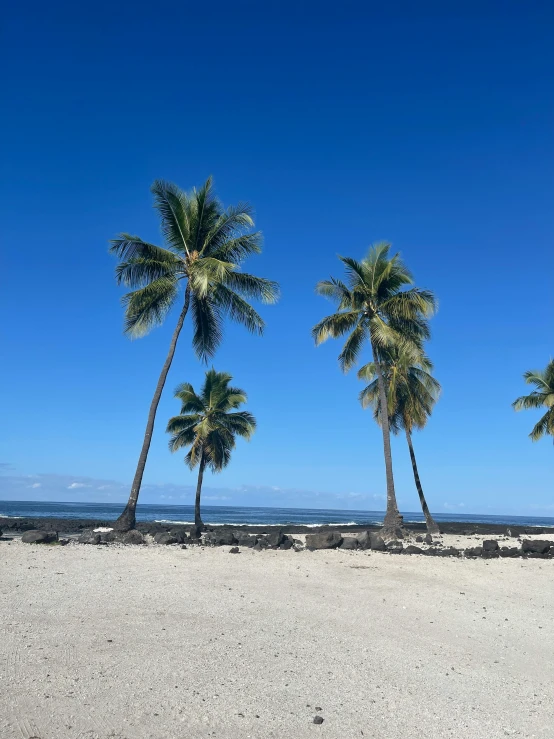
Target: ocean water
x: 215, y: 515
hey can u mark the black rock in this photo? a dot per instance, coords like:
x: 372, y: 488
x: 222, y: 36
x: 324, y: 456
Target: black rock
x: 474, y: 552
x: 490, y: 545
x: 195, y: 532
x: 257, y: 547
x: 539, y: 546
x: 39, y: 537
x: 245, y: 540
x: 275, y: 538
x: 510, y: 552
x: 179, y: 533
x: 287, y: 543
x: 165, y: 538
x: 419, y: 539
x: 349, y: 542
x: 234, y: 550
x: 411, y: 549
x: 318, y: 719
x: 220, y: 538
x: 89, y: 537
x: 428, y: 539
x: 537, y: 555
x: 327, y: 540
x: 132, y: 537
x: 394, y: 547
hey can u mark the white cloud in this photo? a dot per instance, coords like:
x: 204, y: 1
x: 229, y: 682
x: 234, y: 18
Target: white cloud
x: 216, y: 497
x: 35, y: 485
x: 75, y: 485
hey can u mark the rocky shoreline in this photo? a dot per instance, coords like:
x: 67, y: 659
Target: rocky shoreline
x: 78, y: 525
x: 467, y: 543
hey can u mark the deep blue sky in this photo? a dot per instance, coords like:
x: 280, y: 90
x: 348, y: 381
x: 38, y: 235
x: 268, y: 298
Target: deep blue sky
x: 343, y: 125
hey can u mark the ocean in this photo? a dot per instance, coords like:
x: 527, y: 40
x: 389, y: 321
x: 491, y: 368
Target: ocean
x: 215, y: 515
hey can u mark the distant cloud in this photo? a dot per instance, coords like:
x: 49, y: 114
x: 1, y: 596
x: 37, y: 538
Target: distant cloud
x: 216, y: 497
x: 75, y: 485
x: 36, y: 485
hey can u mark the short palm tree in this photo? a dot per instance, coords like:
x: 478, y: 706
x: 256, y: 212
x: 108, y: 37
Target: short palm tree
x: 208, y: 424
x: 411, y: 394
x: 374, y: 307
x: 205, y: 245
x: 541, y: 397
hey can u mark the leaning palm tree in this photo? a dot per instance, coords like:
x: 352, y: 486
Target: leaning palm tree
x: 411, y: 394
x: 205, y: 245
x: 374, y: 307
x: 208, y: 424
x: 541, y: 397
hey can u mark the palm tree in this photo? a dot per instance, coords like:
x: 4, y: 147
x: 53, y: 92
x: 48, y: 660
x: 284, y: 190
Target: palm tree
x: 411, y: 394
x: 374, y: 307
x: 205, y: 245
x: 208, y: 426
x: 542, y: 397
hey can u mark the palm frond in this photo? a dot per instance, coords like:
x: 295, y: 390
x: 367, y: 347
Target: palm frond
x: 335, y: 325
x: 250, y: 286
x: 173, y: 205
x: 352, y: 347
x: 237, y: 309
x: 148, y: 306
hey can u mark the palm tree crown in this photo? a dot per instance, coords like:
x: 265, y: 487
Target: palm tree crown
x: 204, y: 247
x: 541, y: 397
x: 374, y: 305
x: 209, y: 422
x: 411, y: 389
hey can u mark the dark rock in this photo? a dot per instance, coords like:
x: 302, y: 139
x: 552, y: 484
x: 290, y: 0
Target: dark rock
x: 428, y: 539
x: 132, y: 537
x: 490, y: 545
x: 510, y: 552
x: 179, y: 533
x: 411, y: 549
x: 328, y: 540
x: 287, y: 543
x: 219, y: 538
x: 394, y: 547
x: 183, y: 546
x: 318, y: 719
x: 447, y: 552
x: 491, y: 555
x: 257, y: 547
x: 275, y: 538
x: 245, y: 540
x: 537, y: 555
x: 419, y: 539
x: 474, y: 552
x: 165, y: 538
x: 349, y: 542
x: 89, y: 537
x: 195, y: 532
x: 234, y: 550
x: 39, y: 537
x: 376, y: 542
x: 539, y: 546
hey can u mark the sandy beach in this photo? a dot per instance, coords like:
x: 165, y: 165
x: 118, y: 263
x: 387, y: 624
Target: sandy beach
x: 160, y: 643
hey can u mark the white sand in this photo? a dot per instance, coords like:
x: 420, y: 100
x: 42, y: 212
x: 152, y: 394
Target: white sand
x: 164, y: 643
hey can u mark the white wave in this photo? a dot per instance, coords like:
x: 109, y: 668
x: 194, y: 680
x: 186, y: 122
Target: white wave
x: 4, y: 515
x: 266, y: 525
x: 102, y: 530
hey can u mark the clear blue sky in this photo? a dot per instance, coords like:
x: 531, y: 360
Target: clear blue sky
x: 428, y: 124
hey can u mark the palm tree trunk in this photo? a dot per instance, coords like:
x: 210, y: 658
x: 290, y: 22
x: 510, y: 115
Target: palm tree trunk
x: 127, y: 519
x: 197, y: 517
x: 393, y: 520
x: 432, y: 526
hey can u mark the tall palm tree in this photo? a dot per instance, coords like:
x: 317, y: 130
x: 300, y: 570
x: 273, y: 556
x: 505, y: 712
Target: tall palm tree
x: 541, y: 397
x: 205, y: 245
x: 208, y: 424
x: 373, y: 306
x: 411, y: 394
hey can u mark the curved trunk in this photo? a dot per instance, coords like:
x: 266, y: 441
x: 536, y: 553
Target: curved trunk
x: 432, y: 526
x: 127, y: 519
x: 393, y: 520
x: 197, y: 517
